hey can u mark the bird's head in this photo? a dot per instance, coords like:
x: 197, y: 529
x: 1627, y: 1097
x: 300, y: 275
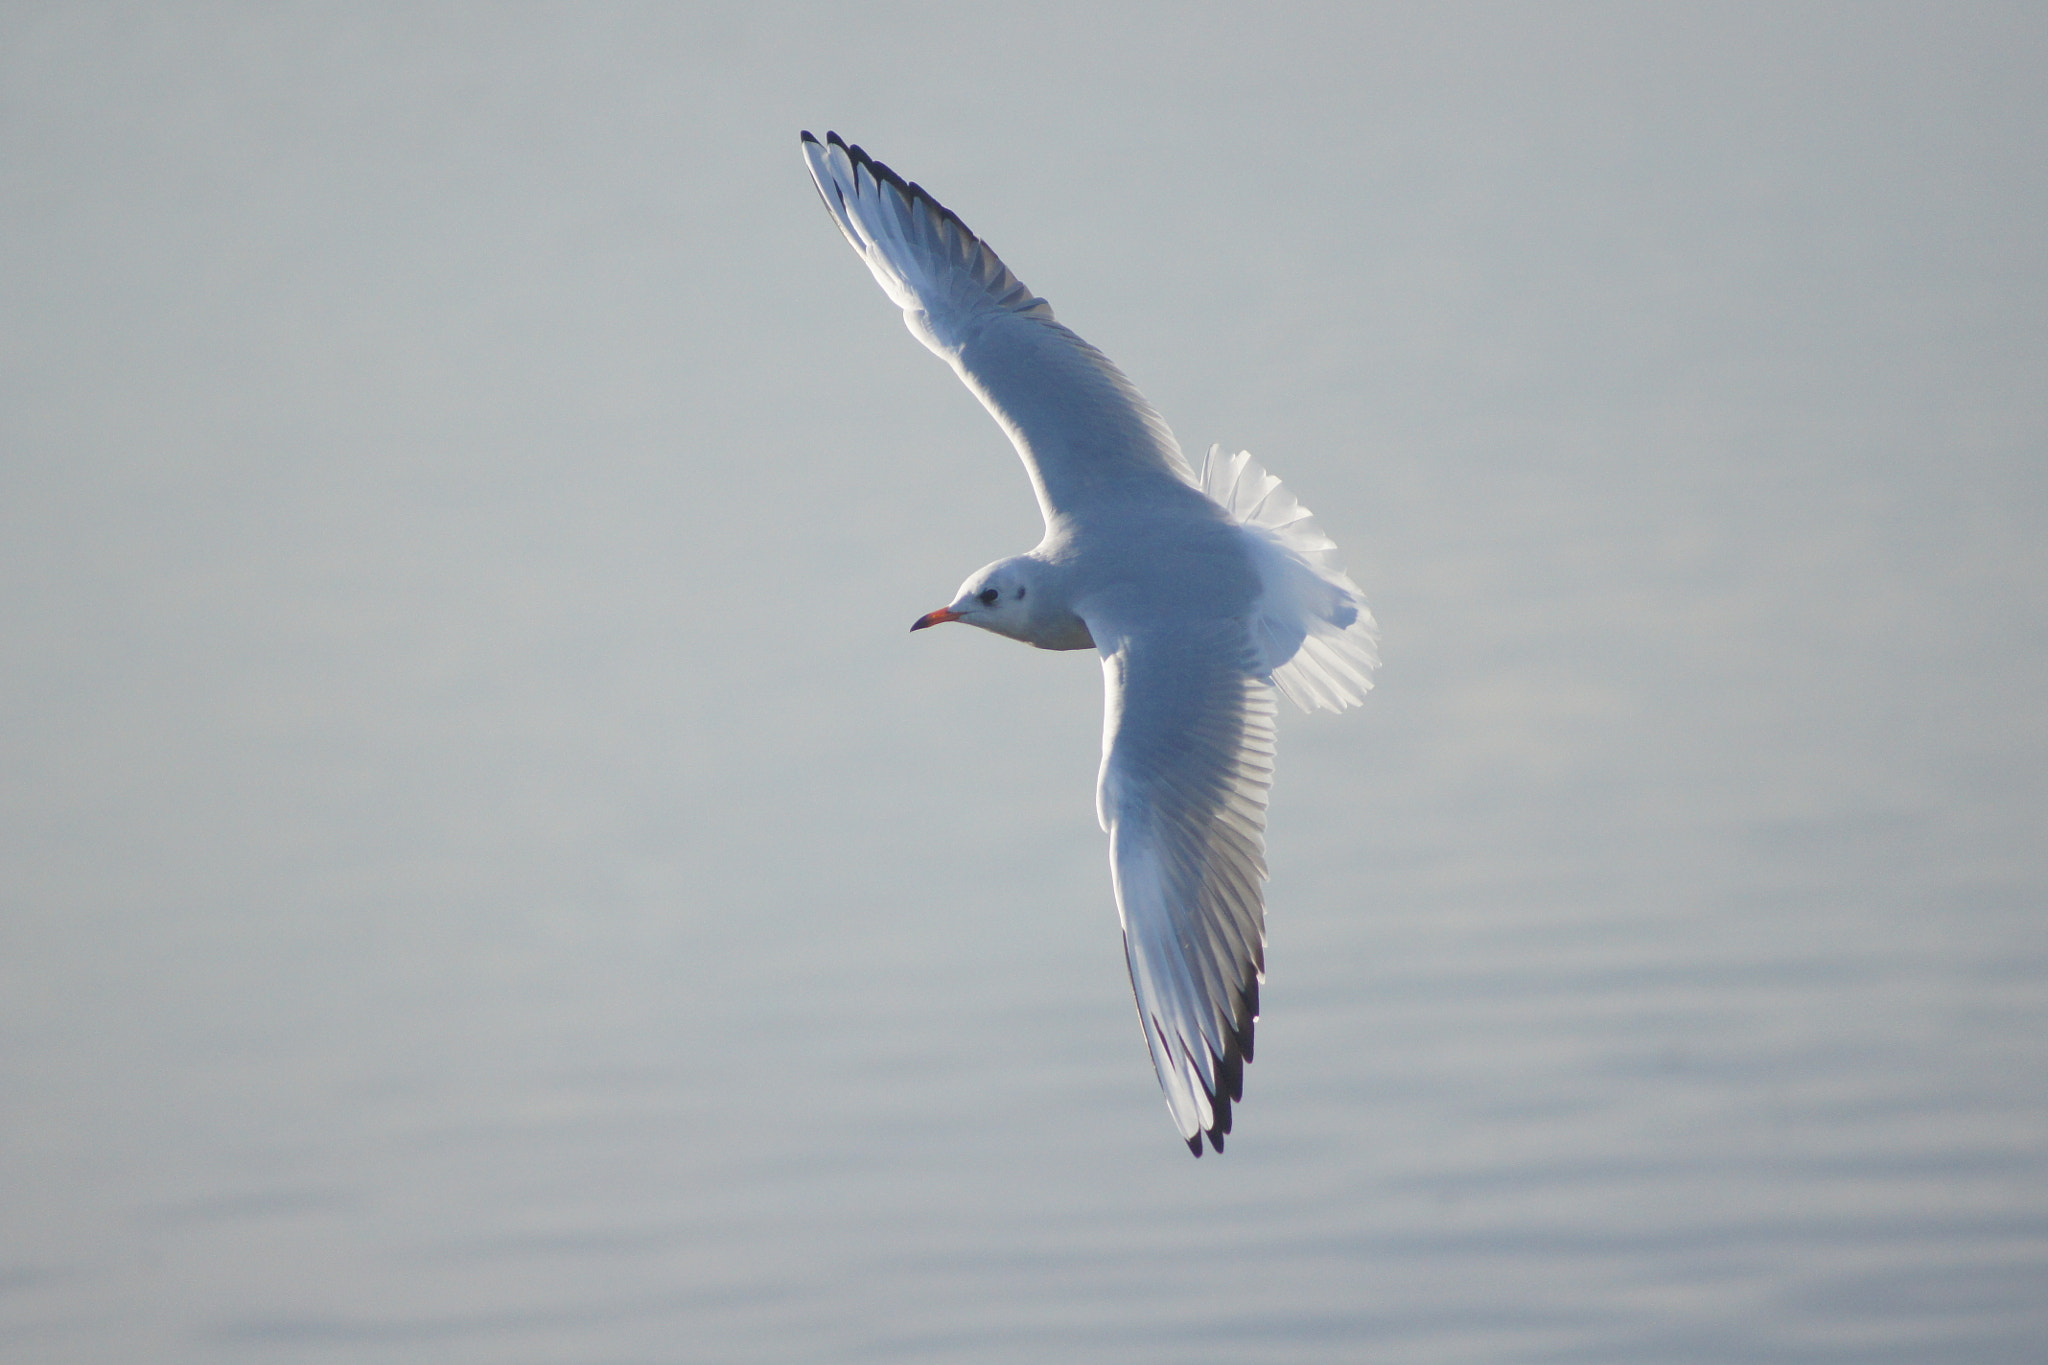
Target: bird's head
x: 1014, y: 597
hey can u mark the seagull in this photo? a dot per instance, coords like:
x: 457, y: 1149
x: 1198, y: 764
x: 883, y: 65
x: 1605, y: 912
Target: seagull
x: 1203, y: 593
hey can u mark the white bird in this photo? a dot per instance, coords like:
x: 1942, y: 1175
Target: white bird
x: 1202, y: 593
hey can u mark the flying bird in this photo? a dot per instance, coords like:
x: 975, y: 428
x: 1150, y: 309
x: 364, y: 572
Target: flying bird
x: 1203, y: 593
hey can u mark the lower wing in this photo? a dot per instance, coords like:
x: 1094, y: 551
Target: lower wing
x: 1187, y: 761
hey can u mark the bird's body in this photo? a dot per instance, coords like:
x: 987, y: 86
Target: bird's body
x: 1203, y: 594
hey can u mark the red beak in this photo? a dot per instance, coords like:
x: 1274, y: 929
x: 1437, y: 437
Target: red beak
x: 935, y: 618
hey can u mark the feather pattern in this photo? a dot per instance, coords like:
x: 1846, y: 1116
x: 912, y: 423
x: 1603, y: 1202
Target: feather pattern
x: 1311, y: 630
x: 1088, y: 439
x: 1186, y: 764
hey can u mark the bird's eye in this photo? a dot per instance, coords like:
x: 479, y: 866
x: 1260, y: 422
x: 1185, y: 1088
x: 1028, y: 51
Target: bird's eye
x: 989, y: 596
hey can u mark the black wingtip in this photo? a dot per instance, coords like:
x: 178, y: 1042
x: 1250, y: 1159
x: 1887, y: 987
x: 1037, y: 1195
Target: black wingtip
x: 804, y: 136
x: 909, y: 189
x: 1195, y: 1146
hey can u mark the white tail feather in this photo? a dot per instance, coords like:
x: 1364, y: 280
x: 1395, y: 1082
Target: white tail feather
x: 1311, y: 628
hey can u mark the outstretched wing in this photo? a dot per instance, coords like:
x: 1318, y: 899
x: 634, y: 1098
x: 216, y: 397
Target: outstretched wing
x: 1087, y: 437
x: 1187, y: 757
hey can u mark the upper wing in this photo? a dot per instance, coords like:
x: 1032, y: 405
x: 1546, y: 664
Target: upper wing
x: 1187, y: 757
x: 1085, y: 434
